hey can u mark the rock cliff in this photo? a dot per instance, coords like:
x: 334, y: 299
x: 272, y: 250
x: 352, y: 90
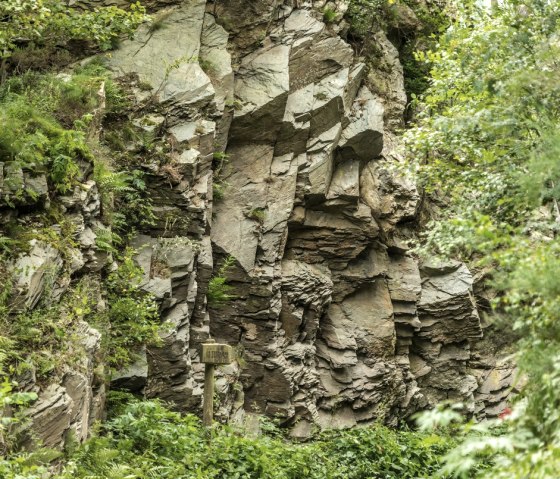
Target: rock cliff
x: 281, y: 167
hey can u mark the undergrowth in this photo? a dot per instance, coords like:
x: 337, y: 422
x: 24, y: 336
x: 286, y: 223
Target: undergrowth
x: 144, y: 439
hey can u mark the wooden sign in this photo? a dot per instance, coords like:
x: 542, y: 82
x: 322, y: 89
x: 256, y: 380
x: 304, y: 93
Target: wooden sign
x: 213, y: 353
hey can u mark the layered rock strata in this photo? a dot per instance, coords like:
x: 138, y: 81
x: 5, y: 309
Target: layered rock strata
x: 334, y: 321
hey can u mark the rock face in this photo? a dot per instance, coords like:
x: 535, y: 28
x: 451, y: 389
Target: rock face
x: 334, y: 321
x: 69, y: 409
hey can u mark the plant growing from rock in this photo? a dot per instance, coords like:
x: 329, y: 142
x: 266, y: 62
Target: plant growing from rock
x: 258, y: 214
x: 219, y: 292
x: 33, y: 112
x: 132, y: 315
x: 218, y: 190
x: 157, y: 22
x: 12, y: 404
x: 329, y: 15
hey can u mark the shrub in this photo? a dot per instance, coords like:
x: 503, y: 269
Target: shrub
x: 487, y: 142
x: 32, y: 137
x: 145, y: 438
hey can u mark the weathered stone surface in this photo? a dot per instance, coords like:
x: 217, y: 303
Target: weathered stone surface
x: 391, y: 197
x: 447, y: 309
x: 345, y: 183
x: 404, y: 279
x: 71, y: 406
x: 33, y: 271
x: 134, y: 377
x: 315, y: 56
x: 261, y: 90
x: 239, y: 215
x: 50, y: 416
x: 278, y: 152
x: 167, y: 59
x: 387, y: 80
x: 216, y: 61
x: 362, y: 139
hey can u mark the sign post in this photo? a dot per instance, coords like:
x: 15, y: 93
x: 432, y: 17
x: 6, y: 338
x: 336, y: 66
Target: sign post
x: 212, y: 354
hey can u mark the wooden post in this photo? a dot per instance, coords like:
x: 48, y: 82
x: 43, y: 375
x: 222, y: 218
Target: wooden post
x: 212, y: 354
x: 208, y: 404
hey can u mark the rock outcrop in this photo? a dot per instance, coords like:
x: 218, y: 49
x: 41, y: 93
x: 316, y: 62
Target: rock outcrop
x: 67, y: 411
x: 334, y: 320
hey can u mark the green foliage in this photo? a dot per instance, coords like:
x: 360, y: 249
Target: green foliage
x: 11, y: 404
x: 33, y: 110
x: 31, y: 24
x: 366, y: 15
x: 434, y: 20
x: 477, y: 442
x: 380, y: 452
x: 487, y: 108
x: 329, y: 15
x: 15, y: 465
x: 218, y: 191
x: 220, y: 155
x: 257, y: 214
x: 220, y: 159
x: 23, y: 466
x: 45, y: 126
x: 219, y: 291
x: 126, y: 205
x: 89, y: 76
x: 486, y: 145
x: 132, y: 318
x: 45, y: 339
x: 144, y: 440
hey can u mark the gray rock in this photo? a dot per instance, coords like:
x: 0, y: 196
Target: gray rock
x: 447, y: 309
x: 34, y: 270
x: 315, y: 56
x: 392, y: 198
x: 387, y: 80
x: 50, y: 417
x: 36, y: 186
x: 216, y: 61
x: 404, y: 279
x: 134, y: 377
x: 197, y: 134
x: 261, y: 91
x: 71, y: 405
x: 345, y: 183
x: 237, y: 221
x: 335, y: 323
x: 362, y: 139
x: 167, y: 59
